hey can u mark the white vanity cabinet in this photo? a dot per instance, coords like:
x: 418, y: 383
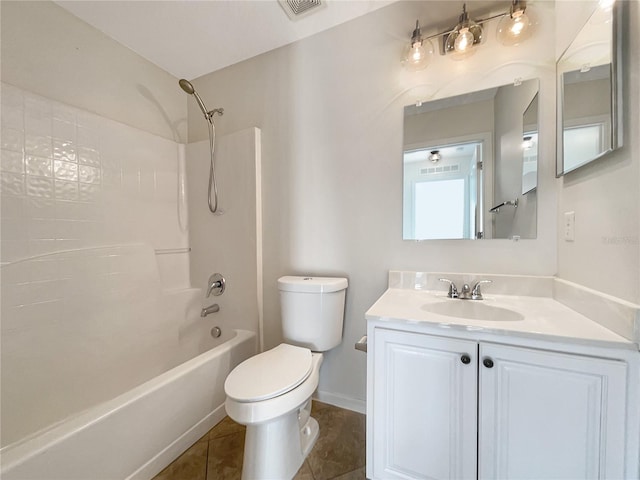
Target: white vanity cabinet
x: 443, y: 407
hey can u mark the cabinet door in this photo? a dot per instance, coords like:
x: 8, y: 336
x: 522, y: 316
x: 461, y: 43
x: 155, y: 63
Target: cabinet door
x: 424, y: 407
x: 547, y: 415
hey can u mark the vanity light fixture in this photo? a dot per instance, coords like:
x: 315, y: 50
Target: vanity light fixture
x: 461, y: 41
x: 435, y: 156
x: 515, y: 27
x: 464, y: 37
x: 416, y: 55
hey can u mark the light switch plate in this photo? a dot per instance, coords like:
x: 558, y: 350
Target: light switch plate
x: 569, y: 226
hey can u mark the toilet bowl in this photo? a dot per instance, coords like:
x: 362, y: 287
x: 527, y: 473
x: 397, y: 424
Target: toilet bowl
x: 271, y: 392
x: 280, y: 431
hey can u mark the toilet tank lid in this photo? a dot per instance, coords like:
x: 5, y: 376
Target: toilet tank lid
x: 311, y: 284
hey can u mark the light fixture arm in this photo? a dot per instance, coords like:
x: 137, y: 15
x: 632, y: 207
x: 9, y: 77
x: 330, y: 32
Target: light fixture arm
x: 480, y: 21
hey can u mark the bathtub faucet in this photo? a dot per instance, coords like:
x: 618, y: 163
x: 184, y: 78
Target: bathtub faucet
x: 210, y: 309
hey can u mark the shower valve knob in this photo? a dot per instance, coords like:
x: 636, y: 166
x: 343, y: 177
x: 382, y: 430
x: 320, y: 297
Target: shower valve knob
x: 216, y: 286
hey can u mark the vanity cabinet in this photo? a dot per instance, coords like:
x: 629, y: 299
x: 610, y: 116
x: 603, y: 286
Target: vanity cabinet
x: 447, y: 408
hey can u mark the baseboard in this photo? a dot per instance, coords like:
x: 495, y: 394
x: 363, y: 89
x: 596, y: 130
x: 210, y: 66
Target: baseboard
x: 178, y: 447
x: 341, y: 401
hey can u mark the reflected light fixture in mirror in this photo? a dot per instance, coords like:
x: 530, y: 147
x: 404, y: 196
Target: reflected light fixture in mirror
x: 516, y: 27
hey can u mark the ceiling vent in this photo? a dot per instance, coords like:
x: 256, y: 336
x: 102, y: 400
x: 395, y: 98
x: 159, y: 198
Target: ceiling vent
x: 442, y: 169
x: 296, y: 9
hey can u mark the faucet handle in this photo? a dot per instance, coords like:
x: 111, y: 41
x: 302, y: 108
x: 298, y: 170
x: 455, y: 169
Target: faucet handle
x: 216, y: 285
x: 476, y: 294
x: 453, y: 290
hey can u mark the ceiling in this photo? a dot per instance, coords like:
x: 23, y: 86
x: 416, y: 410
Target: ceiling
x: 190, y: 38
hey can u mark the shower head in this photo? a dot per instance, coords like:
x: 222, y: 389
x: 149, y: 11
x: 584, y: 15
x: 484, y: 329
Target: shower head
x: 188, y: 88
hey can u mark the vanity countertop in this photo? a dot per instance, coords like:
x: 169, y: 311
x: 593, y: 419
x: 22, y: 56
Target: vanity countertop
x: 537, y: 317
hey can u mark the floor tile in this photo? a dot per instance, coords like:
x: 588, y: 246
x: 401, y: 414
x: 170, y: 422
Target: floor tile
x: 304, y: 473
x: 359, y: 474
x: 339, y: 452
x: 191, y: 465
x: 225, y: 427
x: 340, y: 447
x: 225, y: 457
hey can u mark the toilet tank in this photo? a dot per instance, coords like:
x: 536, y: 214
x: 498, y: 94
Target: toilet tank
x: 312, y: 311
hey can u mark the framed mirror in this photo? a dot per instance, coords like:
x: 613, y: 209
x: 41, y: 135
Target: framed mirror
x: 589, y: 69
x: 465, y: 166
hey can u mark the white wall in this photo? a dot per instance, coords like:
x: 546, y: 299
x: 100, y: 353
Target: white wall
x: 330, y: 109
x: 84, y: 104
x: 605, y: 197
x: 52, y: 53
x: 229, y: 242
x: 71, y: 179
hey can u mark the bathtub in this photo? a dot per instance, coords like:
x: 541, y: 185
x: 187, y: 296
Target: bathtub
x: 138, y: 433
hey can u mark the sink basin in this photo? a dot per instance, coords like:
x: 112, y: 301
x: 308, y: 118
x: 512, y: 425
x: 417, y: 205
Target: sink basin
x: 473, y: 310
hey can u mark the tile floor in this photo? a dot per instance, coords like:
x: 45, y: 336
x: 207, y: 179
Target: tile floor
x: 339, y: 453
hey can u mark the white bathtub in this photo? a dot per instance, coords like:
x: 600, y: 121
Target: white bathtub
x: 138, y: 433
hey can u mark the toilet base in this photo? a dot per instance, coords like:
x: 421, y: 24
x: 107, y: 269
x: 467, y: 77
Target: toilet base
x: 277, y: 449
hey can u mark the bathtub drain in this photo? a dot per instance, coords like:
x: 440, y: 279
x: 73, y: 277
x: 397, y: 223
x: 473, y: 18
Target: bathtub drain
x: 216, y: 332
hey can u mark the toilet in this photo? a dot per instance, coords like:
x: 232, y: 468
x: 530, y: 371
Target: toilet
x: 271, y: 392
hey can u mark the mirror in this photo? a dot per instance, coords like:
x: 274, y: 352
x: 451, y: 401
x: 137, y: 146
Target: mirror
x: 466, y: 170
x: 587, y: 130
x: 530, y: 147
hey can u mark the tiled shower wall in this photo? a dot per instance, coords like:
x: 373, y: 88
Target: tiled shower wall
x: 71, y: 179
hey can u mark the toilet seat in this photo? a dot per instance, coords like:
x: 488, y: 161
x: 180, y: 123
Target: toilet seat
x: 269, y: 374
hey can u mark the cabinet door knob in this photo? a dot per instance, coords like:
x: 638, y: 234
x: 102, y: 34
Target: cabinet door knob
x: 487, y: 362
x: 466, y: 359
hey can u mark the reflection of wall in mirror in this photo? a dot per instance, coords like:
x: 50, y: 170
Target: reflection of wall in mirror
x: 520, y: 221
x: 432, y: 126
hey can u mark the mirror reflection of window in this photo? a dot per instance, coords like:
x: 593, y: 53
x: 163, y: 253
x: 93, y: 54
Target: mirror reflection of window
x: 529, y: 161
x: 433, y: 221
x: 582, y: 143
x: 441, y: 191
x: 530, y: 147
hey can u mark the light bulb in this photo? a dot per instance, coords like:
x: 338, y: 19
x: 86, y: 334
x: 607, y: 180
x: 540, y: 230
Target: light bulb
x: 514, y: 28
x: 464, y: 40
x: 416, y: 56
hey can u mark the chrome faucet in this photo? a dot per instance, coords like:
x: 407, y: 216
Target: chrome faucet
x: 210, y: 309
x: 453, y: 291
x: 467, y: 293
x: 476, y: 294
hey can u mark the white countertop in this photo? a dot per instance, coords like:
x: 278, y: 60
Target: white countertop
x: 543, y: 318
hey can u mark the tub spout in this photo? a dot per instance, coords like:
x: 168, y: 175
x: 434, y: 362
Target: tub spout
x: 210, y: 309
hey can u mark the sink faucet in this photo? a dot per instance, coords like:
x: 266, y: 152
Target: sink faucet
x: 476, y: 294
x: 453, y: 291
x: 210, y: 309
x: 467, y: 293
